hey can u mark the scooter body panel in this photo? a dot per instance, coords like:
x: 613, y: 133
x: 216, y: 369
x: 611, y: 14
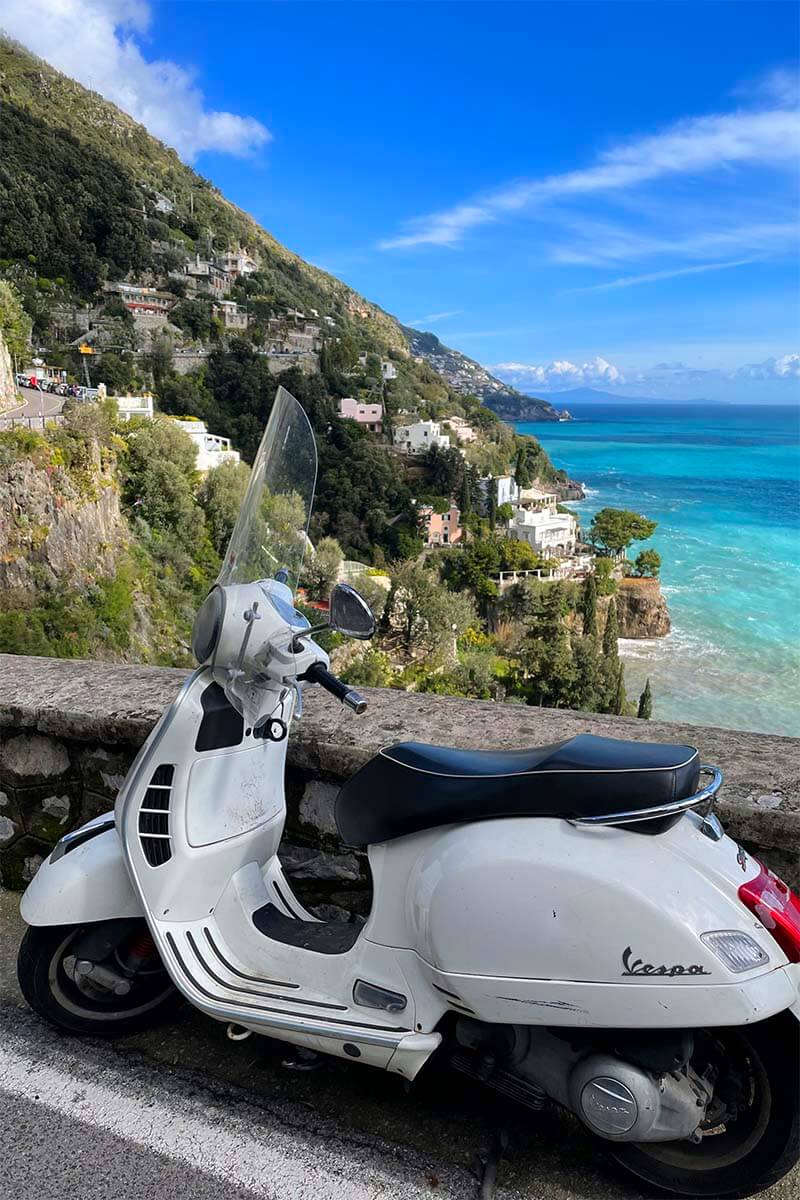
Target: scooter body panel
x: 90, y: 883
x: 536, y: 921
x: 222, y: 807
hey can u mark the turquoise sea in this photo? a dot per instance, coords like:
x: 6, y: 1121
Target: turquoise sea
x: 723, y: 482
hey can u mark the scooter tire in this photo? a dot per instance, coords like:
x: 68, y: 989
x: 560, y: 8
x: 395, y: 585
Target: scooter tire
x: 56, y: 998
x: 769, y: 1153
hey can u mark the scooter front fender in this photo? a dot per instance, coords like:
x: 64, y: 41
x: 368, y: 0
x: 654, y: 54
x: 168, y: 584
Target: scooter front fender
x: 88, y: 883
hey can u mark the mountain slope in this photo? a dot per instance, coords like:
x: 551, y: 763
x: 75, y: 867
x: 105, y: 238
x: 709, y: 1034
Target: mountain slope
x: 42, y: 109
x: 465, y: 375
x: 79, y: 177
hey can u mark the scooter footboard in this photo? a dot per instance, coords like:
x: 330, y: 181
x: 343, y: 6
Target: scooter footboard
x: 83, y: 880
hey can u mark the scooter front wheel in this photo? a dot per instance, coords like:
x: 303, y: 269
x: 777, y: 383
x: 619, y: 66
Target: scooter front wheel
x: 121, y: 988
x: 751, y: 1136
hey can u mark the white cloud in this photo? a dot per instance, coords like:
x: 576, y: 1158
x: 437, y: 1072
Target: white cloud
x: 561, y: 374
x: 786, y: 367
x: 664, y: 378
x: 600, y: 243
x: 95, y: 42
x: 692, y: 147
x: 627, y: 281
x: 434, y: 318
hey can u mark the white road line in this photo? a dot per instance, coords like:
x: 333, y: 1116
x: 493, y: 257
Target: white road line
x: 206, y: 1137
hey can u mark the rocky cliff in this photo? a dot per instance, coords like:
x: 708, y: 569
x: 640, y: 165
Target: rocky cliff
x: 642, y: 609
x: 57, y: 527
x: 8, y: 387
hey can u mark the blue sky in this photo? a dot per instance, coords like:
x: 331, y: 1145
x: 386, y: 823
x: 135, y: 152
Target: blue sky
x: 572, y: 193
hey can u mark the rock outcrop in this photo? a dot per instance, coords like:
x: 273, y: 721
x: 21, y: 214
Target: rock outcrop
x: 57, y: 528
x: 8, y: 386
x: 642, y: 609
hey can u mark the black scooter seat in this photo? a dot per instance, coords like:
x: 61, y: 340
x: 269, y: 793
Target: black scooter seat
x: 414, y: 786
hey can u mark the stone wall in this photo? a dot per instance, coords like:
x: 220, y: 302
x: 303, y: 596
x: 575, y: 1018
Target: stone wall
x: 69, y: 730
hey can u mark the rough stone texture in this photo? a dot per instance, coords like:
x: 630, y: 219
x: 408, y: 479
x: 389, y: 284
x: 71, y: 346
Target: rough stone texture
x: 8, y: 385
x: 642, y: 609
x: 101, y: 713
x: 52, y: 531
x: 317, y: 805
x: 33, y: 758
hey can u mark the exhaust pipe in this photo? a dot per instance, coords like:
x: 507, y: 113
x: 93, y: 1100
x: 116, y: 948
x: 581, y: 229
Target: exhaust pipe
x: 238, y: 1033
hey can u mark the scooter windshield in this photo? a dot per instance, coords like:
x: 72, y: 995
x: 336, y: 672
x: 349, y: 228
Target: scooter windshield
x: 271, y: 533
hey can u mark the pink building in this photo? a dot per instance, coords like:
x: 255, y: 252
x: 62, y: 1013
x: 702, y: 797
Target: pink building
x: 370, y: 415
x: 441, y: 529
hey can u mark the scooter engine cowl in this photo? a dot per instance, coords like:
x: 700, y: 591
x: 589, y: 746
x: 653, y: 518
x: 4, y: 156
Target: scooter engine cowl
x: 623, y: 1103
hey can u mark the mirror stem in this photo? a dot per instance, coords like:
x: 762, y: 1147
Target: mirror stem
x: 298, y: 637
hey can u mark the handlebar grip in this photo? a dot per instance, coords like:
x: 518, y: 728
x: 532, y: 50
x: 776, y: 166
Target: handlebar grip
x: 316, y: 673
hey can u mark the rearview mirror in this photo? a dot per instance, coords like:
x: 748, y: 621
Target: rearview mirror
x: 350, y: 614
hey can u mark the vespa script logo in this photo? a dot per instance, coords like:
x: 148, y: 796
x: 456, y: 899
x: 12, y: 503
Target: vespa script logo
x: 639, y: 967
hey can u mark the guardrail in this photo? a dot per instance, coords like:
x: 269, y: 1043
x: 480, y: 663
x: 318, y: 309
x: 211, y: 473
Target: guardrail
x: 39, y: 423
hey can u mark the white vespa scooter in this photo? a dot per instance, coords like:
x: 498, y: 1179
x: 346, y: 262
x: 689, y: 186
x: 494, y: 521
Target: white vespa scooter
x: 559, y: 922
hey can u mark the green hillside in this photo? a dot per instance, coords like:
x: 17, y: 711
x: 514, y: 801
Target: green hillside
x: 78, y: 181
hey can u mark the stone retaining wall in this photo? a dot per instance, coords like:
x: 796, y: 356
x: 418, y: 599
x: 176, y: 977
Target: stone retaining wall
x: 69, y: 730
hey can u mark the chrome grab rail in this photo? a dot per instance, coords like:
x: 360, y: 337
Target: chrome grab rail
x: 704, y: 796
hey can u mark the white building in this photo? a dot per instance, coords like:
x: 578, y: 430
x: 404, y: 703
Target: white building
x: 419, y: 437
x: 134, y: 406
x: 212, y: 450
x: 237, y: 262
x: 552, y: 534
x: 369, y: 415
x: 507, y: 490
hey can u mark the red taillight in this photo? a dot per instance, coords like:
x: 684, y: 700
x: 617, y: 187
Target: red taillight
x: 777, y: 908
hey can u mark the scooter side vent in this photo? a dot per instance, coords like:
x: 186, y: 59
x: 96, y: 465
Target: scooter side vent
x: 154, y: 816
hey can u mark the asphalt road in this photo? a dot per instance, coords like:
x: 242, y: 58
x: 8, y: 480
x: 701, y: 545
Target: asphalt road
x: 181, y: 1111
x: 35, y: 403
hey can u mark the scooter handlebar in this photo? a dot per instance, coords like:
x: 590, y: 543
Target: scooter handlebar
x: 316, y: 673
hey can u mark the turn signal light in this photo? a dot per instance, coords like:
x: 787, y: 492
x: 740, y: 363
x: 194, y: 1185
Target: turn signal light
x: 777, y: 908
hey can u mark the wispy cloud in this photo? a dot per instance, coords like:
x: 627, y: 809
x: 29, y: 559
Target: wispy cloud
x: 767, y: 137
x: 627, y: 281
x: 95, y: 42
x: 435, y: 318
x: 593, y: 242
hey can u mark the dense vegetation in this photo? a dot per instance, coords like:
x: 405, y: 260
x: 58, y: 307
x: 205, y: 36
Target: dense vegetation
x: 164, y: 560
x: 65, y: 207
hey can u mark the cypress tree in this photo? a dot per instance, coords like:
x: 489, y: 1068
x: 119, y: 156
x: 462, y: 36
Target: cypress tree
x: 466, y: 497
x: 646, y: 703
x: 492, y: 504
x: 611, y: 633
x: 589, y: 606
x: 619, y: 692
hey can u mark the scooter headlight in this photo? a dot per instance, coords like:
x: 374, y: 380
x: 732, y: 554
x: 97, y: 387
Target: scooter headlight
x: 208, y: 625
x: 738, y: 951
